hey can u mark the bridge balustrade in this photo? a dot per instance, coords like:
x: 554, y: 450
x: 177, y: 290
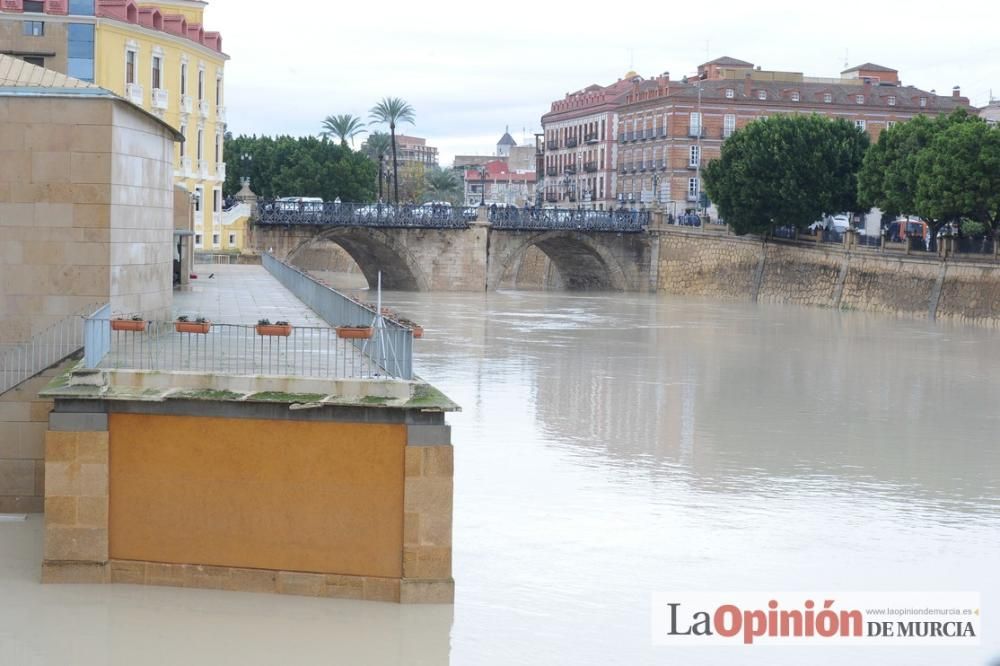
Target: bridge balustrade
x: 436, y: 216
x: 449, y: 217
x: 616, y: 221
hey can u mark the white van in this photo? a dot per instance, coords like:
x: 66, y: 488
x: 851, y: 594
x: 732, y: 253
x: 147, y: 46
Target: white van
x: 301, y: 204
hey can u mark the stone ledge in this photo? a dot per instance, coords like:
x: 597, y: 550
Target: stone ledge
x: 332, y: 586
x: 76, y: 422
x: 440, y: 591
x: 90, y: 573
x: 428, y: 435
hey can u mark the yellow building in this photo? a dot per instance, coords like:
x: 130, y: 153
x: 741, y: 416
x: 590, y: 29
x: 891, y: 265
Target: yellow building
x: 156, y: 55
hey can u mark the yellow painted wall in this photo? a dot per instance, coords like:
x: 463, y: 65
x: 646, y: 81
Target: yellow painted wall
x: 285, y: 495
x: 111, y: 40
x: 239, y: 230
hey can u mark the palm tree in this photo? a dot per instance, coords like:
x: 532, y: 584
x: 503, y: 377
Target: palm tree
x: 345, y: 126
x: 443, y: 185
x: 392, y: 111
x: 375, y: 147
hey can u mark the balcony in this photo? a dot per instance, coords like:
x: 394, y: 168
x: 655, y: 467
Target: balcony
x: 220, y: 114
x: 569, y: 169
x: 186, y: 104
x: 662, y: 133
x: 216, y: 219
x: 203, y: 109
x: 693, y: 165
x: 220, y: 171
x: 591, y: 138
x: 571, y: 196
x: 661, y: 165
x: 642, y: 166
x: 635, y: 167
x: 161, y: 98
x: 571, y: 142
x: 186, y: 167
x: 636, y: 135
x: 728, y: 132
x: 590, y: 167
x: 203, y: 169
x: 551, y: 197
x: 134, y: 93
x: 552, y: 145
x: 692, y: 196
x: 551, y: 171
x: 696, y: 131
x: 623, y: 137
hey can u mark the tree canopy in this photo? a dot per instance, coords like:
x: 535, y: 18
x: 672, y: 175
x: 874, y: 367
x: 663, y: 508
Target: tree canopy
x: 786, y: 171
x: 945, y: 169
x: 299, y: 166
x: 344, y: 126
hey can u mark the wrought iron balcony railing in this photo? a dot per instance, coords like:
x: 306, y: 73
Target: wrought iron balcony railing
x: 591, y: 138
x: 570, y: 169
x: 590, y: 167
x: 571, y: 142
x: 551, y: 171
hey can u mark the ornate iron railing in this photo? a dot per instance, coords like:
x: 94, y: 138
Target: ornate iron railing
x: 427, y: 216
x: 614, y: 221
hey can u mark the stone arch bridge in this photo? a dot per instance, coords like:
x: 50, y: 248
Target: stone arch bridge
x: 443, y: 249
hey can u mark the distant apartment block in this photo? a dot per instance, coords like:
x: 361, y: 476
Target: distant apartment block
x: 664, y: 131
x: 414, y: 150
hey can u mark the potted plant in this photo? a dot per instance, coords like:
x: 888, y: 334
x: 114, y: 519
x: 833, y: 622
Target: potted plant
x: 135, y: 323
x: 418, y: 330
x: 279, y: 328
x: 185, y: 325
x: 354, y: 331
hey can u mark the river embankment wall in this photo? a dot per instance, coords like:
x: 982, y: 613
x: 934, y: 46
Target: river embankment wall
x: 697, y: 263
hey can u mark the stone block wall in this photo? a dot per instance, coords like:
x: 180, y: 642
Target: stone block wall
x: 23, y: 421
x: 85, y: 211
x: 705, y: 264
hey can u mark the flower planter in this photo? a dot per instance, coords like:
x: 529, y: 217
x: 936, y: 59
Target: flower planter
x: 128, y: 325
x: 354, y: 332
x: 279, y: 330
x: 192, y: 326
x: 418, y: 331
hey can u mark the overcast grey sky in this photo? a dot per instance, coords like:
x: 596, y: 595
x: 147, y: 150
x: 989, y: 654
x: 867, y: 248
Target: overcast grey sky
x: 469, y: 69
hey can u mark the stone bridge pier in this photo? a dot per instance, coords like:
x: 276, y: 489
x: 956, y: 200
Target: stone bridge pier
x: 479, y: 258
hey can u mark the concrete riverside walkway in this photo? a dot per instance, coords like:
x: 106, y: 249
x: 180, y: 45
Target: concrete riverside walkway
x: 241, y: 294
x: 234, y: 298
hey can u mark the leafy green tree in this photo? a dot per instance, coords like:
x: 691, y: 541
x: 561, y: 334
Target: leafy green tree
x: 892, y: 167
x: 299, y: 166
x: 959, y: 174
x: 786, y: 171
x: 345, y: 126
x: 391, y: 111
x: 443, y: 185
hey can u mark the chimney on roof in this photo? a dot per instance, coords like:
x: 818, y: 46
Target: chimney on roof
x: 747, y: 84
x: 956, y: 92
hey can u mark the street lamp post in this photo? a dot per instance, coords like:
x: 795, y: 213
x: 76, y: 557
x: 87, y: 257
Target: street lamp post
x: 246, y: 160
x: 482, y: 185
x: 381, y: 170
x: 701, y: 130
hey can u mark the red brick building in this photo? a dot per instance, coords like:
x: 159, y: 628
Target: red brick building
x: 668, y: 130
x: 580, y: 143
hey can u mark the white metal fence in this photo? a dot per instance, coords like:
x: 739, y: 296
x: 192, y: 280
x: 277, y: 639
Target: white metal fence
x: 229, y: 349
x: 390, y: 347
x: 22, y: 361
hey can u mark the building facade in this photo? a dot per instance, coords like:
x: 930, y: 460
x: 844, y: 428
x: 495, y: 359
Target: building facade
x: 156, y: 55
x: 414, y: 150
x: 496, y: 183
x: 669, y: 130
x: 581, y: 145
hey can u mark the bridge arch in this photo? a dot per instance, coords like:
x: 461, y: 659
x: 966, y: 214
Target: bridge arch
x: 373, y: 250
x: 584, y: 262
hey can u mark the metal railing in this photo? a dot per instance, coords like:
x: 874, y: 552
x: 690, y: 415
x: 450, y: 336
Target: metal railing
x: 428, y: 216
x: 570, y: 142
x: 391, y: 345
x: 22, y: 361
x: 614, y: 221
x: 228, y: 349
